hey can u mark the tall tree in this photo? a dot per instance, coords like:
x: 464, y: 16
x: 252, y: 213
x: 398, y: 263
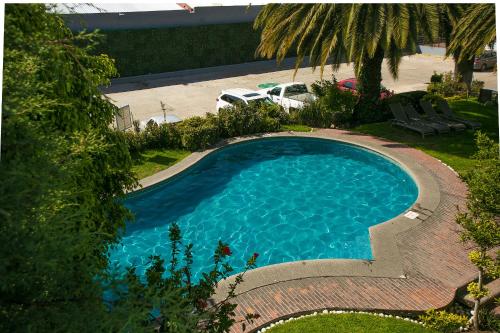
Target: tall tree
x: 339, y: 33
x: 475, y: 30
x: 481, y: 223
x: 449, y: 17
x: 63, y: 172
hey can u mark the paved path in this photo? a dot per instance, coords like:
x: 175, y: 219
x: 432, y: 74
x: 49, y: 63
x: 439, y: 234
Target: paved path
x: 435, y: 262
x: 193, y: 92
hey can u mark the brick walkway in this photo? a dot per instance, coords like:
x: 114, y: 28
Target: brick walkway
x: 434, y: 261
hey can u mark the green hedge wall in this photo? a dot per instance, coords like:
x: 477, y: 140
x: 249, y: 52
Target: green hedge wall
x: 147, y: 51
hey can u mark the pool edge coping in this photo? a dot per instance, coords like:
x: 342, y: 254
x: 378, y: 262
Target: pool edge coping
x: 386, y: 260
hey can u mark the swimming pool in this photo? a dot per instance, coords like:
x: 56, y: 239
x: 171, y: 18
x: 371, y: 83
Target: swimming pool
x: 287, y: 199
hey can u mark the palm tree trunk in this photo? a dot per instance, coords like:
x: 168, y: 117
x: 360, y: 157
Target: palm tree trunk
x: 370, y: 76
x: 464, y: 70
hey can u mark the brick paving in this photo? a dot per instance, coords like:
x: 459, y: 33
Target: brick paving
x: 434, y: 261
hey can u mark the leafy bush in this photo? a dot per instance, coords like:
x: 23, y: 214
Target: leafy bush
x: 433, y: 98
x: 243, y: 119
x: 488, y: 321
x: 333, y: 106
x: 373, y: 112
x: 443, y: 321
x: 450, y: 85
x: 410, y: 97
x: 436, y: 78
x: 198, y: 132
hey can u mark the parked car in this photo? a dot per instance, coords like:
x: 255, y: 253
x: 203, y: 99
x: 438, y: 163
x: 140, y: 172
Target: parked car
x: 231, y: 97
x: 486, y: 60
x: 350, y: 85
x: 290, y: 96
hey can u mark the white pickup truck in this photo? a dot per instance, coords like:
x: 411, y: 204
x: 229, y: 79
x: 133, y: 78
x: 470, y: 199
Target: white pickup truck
x: 290, y: 96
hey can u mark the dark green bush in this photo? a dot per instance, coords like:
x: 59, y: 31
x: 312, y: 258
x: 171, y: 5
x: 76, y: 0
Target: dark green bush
x: 333, y: 106
x: 198, y: 132
x: 410, y: 97
x: 436, y: 78
x: 433, y: 98
x: 373, y: 112
x: 452, y: 86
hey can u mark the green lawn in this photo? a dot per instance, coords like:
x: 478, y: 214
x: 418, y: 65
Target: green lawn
x: 296, y: 128
x: 454, y: 149
x: 152, y: 161
x: 349, y: 323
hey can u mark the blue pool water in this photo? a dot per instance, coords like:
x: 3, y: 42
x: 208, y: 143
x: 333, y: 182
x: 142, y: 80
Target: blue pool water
x: 287, y: 199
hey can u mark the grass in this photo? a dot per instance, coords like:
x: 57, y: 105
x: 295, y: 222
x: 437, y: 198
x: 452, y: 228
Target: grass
x: 454, y: 149
x: 296, y: 128
x: 150, y: 162
x: 349, y: 323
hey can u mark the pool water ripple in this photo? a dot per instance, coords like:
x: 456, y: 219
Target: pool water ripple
x: 287, y: 199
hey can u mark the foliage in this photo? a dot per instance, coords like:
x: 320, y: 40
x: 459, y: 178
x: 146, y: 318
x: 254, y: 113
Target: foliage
x: 177, y: 48
x: 340, y: 33
x: 63, y: 173
x: 480, y: 223
x: 333, y: 106
x: 443, y: 321
x: 436, y: 78
x: 198, y: 132
x: 349, y: 323
x: 169, y: 300
x: 242, y: 119
x: 488, y: 320
x: 475, y: 30
x: 410, y: 97
x: 433, y: 98
x: 452, y: 85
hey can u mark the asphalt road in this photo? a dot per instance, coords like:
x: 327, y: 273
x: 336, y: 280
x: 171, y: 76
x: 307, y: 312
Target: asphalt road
x: 193, y: 92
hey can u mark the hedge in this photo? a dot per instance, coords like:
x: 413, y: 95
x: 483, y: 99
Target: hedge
x: 146, y: 51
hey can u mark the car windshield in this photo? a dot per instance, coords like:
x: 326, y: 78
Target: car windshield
x: 295, y: 89
x: 260, y: 101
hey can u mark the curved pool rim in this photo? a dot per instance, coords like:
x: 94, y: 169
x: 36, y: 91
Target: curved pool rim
x: 386, y: 260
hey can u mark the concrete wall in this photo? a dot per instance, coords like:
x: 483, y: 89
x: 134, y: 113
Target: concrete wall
x: 162, y: 19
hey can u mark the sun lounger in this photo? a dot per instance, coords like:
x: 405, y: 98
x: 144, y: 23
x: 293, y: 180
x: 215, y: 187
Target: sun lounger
x: 432, y: 115
x: 402, y: 120
x: 448, y: 113
x: 413, y: 115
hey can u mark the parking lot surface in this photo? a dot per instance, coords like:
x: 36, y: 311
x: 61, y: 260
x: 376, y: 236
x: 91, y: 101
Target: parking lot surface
x: 193, y: 92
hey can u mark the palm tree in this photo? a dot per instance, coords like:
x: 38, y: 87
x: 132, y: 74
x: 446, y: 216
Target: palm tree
x: 339, y: 33
x: 474, y: 31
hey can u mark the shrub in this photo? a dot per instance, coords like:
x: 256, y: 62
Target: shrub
x: 198, y: 132
x: 443, y: 321
x: 433, y: 98
x: 410, y: 97
x: 333, y: 106
x: 436, y: 78
x: 449, y: 86
x: 488, y: 320
x: 476, y: 85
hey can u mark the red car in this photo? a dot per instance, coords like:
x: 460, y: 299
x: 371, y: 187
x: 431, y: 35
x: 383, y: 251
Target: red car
x: 350, y: 85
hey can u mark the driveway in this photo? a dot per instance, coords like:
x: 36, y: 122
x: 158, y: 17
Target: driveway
x: 193, y: 92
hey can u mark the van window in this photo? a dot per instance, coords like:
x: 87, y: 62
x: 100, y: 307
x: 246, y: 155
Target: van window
x: 275, y: 91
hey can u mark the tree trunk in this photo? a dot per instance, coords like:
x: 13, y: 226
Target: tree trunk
x: 370, y: 76
x: 464, y: 70
x: 477, y: 301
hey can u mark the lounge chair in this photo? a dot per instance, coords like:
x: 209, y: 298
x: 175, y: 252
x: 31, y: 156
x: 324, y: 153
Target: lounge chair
x: 402, y: 120
x: 437, y: 126
x: 448, y: 114
x: 432, y: 115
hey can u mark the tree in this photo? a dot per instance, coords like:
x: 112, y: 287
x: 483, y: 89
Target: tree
x: 339, y: 33
x: 64, y: 174
x: 475, y: 30
x: 481, y: 223
x: 449, y: 17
